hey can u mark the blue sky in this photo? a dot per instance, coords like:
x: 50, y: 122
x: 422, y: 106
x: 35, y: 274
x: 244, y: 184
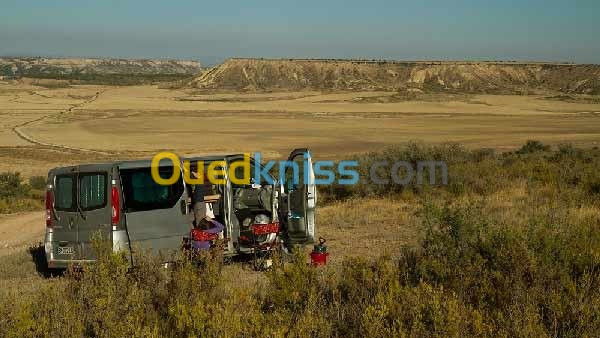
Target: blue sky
x: 212, y: 31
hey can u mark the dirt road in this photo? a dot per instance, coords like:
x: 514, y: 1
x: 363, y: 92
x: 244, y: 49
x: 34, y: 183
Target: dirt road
x: 20, y: 230
x: 19, y: 132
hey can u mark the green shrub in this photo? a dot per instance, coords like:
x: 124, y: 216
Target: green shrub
x: 481, y: 172
x: 38, y: 182
x: 533, y: 146
x: 544, y: 267
x: 11, y: 185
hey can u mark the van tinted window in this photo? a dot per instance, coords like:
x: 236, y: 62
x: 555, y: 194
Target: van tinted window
x: 92, y: 191
x: 142, y: 193
x: 63, y: 193
x: 239, y: 174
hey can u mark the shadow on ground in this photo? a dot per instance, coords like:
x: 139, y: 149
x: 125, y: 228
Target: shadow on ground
x: 38, y: 256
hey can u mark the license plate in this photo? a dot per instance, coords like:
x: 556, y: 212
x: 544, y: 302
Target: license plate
x: 65, y: 250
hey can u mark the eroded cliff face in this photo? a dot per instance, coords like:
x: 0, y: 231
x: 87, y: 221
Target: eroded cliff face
x: 472, y: 77
x: 32, y: 67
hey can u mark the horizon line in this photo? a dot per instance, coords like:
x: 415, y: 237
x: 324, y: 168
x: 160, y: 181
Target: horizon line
x: 315, y: 59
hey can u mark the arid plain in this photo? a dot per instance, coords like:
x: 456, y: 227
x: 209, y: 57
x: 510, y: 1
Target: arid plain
x: 51, y: 123
x: 44, y: 127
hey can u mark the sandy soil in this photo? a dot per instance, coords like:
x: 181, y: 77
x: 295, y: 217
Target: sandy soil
x: 18, y: 231
x: 122, y: 122
x: 146, y: 97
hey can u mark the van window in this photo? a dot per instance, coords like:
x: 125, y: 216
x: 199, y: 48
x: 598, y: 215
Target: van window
x: 92, y: 191
x: 239, y: 174
x: 63, y: 193
x: 143, y: 193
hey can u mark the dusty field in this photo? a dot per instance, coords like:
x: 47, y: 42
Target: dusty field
x: 43, y: 127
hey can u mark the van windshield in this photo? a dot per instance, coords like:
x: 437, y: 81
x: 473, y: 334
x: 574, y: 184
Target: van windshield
x: 143, y: 193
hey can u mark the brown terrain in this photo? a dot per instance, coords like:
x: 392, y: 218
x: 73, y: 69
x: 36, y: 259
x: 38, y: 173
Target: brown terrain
x: 464, y: 77
x: 336, y: 108
x: 275, y: 105
x: 52, y: 67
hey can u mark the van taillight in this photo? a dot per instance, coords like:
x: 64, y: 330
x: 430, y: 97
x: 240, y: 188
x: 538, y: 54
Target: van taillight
x: 49, y: 208
x: 116, y: 209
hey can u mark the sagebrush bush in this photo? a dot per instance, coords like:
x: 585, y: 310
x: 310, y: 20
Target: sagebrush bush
x: 16, y: 195
x: 544, y: 266
x: 38, y: 182
x: 480, y: 172
x: 533, y: 146
x: 12, y: 186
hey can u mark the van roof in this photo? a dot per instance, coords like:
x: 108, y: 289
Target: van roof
x: 131, y: 164
x: 210, y: 157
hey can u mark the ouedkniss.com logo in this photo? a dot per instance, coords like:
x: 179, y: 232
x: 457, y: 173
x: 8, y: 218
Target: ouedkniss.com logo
x: 325, y: 172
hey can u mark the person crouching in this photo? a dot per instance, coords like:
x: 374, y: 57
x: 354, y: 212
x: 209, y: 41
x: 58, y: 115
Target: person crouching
x: 206, y: 230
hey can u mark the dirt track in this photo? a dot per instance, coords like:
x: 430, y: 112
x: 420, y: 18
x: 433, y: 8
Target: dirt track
x: 20, y: 230
x: 28, y: 138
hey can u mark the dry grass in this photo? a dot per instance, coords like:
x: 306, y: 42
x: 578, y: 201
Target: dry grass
x: 138, y: 120
x: 369, y: 227
x: 509, y: 254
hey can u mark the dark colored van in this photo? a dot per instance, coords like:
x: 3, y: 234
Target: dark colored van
x: 122, y: 202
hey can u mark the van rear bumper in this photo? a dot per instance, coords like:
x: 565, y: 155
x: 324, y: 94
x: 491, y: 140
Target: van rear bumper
x: 54, y: 262
x: 119, y: 243
x: 63, y: 264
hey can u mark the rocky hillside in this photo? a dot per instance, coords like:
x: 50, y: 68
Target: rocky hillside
x: 471, y: 77
x: 45, y: 67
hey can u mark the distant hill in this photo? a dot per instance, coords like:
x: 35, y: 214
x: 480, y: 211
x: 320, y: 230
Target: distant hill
x: 82, y: 67
x: 470, y: 77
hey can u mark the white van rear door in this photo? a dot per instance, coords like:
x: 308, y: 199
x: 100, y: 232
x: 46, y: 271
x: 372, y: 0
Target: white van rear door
x: 301, y: 198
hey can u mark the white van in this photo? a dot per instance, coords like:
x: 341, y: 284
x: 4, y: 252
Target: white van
x: 122, y: 202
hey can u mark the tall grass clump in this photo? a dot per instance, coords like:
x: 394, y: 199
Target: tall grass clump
x: 535, y: 274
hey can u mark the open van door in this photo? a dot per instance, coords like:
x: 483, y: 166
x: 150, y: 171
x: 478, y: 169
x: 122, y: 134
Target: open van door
x: 301, y: 198
x: 156, y: 216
